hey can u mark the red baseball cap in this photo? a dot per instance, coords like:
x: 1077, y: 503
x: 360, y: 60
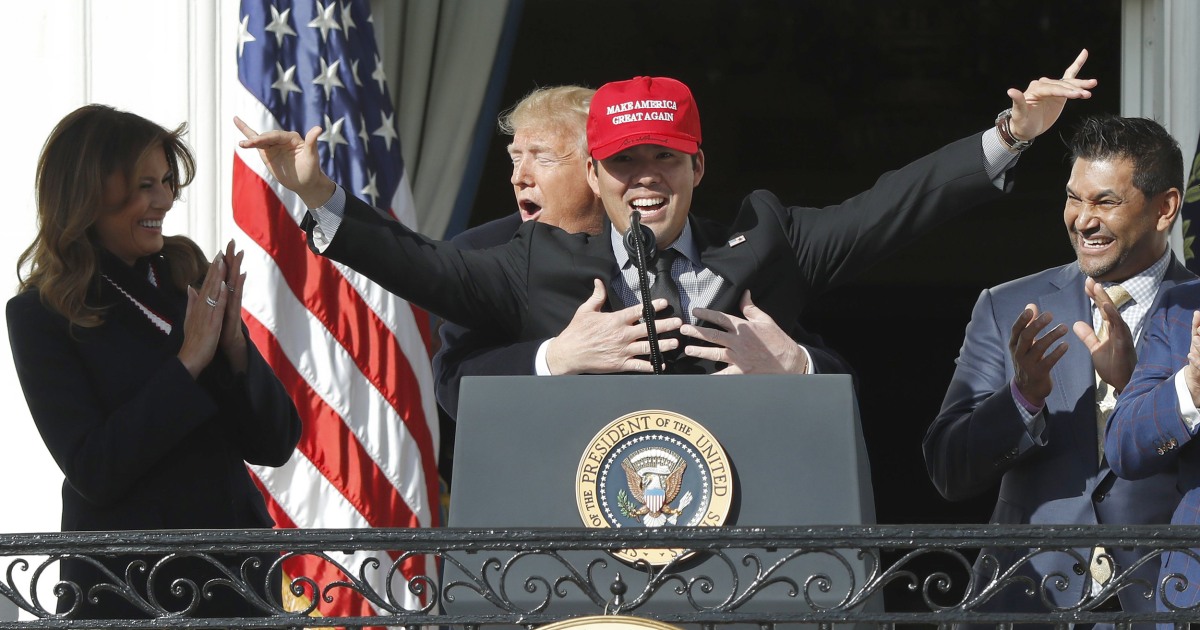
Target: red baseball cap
x: 642, y: 110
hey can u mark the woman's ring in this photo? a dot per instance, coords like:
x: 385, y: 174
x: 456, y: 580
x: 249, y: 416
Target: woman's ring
x: 211, y: 302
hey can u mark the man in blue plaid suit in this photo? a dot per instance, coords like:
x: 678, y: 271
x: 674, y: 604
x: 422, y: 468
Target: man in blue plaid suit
x: 1156, y: 419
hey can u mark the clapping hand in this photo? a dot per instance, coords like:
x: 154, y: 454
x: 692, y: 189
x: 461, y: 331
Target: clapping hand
x: 213, y: 318
x: 233, y: 340
x: 1114, y: 358
x: 1191, y: 371
x: 204, y: 318
x: 1033, y: 356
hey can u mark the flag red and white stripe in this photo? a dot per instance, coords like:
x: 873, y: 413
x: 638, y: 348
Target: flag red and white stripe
x: 354, y: 358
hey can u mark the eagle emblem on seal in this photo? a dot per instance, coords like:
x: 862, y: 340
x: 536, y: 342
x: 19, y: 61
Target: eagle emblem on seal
x: 655, y: 476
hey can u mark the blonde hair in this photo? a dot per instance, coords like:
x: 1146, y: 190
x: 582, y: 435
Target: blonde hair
x: 563, y: 108
x: 84, y: 149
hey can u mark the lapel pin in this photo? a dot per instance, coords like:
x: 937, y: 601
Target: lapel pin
x: 737, y: 240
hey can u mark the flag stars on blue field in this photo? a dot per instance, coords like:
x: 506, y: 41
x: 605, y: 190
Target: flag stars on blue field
x: 387, y: 130
x: 370, y: 190
x: 332, y: 135
x: 286, y: 83
x: 279, y: 25
x: 347, y: 19
x: 244, y: 35
x: 328, y: 77
x: 325, y: 20
x: 379, y: 76
x: 362, y: 121
x: 362, y: 132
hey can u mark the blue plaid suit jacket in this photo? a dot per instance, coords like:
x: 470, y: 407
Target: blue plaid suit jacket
x: 1146, y: 434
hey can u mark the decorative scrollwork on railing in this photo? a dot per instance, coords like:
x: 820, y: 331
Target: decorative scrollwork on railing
x: 722, y: 575
x: 901, y: 574
x: 1179, y: 583
x: 357, y: 581
x: 137, y: 586
x: 491, y: 582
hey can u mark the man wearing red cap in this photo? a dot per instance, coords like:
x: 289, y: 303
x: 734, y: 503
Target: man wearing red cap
x: 549, y: 177
x: 644, y: 137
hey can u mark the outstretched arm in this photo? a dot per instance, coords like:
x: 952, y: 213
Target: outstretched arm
x: 479, y: 289
x: 835, y: 243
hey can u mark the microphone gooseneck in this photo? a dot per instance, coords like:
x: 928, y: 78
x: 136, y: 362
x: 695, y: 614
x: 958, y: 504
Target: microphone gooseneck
x: 640, y: 241
x: 640, y: 244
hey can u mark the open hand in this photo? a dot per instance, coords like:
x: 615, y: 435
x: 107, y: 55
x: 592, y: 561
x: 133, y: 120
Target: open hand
x: 595, y: 342
x: 1037, y: 108
x: 1114, y: 358
x: 1031, y: 361
x: 292, y: 160
x: 753, y: 345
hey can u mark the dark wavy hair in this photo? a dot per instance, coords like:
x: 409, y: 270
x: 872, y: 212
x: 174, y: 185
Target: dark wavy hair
x: 1157, y: 160
x: 87, y: 147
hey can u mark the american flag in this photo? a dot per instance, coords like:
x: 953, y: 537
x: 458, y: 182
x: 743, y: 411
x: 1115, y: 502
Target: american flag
x: 354, y: 357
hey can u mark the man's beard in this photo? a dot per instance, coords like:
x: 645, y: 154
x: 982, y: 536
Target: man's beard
x: 1096, y: 269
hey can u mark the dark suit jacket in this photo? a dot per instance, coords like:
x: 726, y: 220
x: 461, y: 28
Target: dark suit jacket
x: 529, y: 288
x: 1147, y: 438
x: 979, y: 439
x: 142, y: 444
x: 464, y: 352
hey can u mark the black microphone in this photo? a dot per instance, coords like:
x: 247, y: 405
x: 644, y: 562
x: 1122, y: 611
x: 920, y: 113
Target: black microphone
x: 640, y: 240
x: 641, y: 246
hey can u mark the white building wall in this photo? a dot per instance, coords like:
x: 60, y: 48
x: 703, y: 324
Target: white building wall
x: 158, y: 58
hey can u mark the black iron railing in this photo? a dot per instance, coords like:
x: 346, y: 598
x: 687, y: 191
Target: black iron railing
x: 876, y: 575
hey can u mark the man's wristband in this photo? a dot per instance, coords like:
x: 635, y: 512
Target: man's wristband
x: 1003, y: 120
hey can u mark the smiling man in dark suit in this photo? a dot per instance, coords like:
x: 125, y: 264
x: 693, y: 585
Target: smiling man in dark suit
x: 550, y: 185
x: 1025, y: 411
x: 644, y: 137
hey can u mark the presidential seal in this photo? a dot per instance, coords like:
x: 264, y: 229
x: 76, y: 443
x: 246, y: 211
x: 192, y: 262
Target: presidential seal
x: 653, y: 469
